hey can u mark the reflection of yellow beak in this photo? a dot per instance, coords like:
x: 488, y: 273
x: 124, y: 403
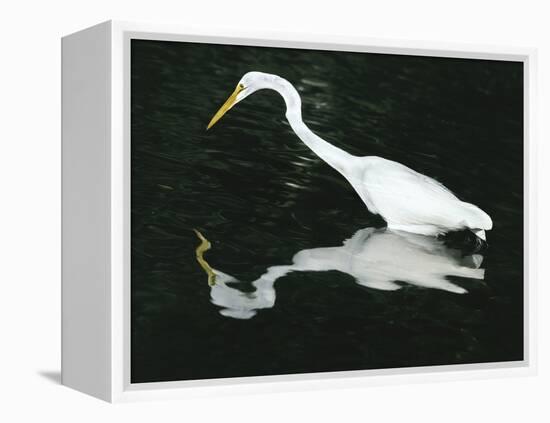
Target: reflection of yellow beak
x: 229, y: 103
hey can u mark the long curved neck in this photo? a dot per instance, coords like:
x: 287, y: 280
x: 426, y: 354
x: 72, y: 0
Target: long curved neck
x: 334, y: 156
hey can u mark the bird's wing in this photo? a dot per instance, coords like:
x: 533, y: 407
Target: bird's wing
x: 403, y: 196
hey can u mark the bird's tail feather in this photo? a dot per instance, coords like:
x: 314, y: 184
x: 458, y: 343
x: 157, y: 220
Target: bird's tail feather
x: 477, y: 218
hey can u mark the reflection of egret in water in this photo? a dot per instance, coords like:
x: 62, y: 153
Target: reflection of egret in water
x: 376, y: 258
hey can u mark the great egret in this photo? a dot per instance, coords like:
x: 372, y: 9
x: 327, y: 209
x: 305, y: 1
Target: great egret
x: 374, y: 258
x: 406, y: 200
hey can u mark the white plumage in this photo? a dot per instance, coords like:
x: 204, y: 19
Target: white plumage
x: 410, y: 201
x: 406, y: 200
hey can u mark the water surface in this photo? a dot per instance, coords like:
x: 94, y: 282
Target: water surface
x: 309, y: 280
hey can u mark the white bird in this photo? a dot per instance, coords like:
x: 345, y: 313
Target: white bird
x: 405, y: 199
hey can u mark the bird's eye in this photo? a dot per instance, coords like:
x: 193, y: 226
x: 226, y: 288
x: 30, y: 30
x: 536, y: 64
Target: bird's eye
x: 241, y: 86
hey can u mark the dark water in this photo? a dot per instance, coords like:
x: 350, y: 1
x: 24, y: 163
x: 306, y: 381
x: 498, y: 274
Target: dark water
x: 261, y: 196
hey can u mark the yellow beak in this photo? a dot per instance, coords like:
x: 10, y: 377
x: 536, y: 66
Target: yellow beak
x: 229, y: 103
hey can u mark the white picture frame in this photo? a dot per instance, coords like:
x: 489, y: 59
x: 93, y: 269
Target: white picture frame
x: 96, y: 205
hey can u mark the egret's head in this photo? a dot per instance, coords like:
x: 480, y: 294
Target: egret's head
x: 249, y: 83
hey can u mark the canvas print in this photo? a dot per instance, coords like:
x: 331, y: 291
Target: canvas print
x: 302, y: 211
